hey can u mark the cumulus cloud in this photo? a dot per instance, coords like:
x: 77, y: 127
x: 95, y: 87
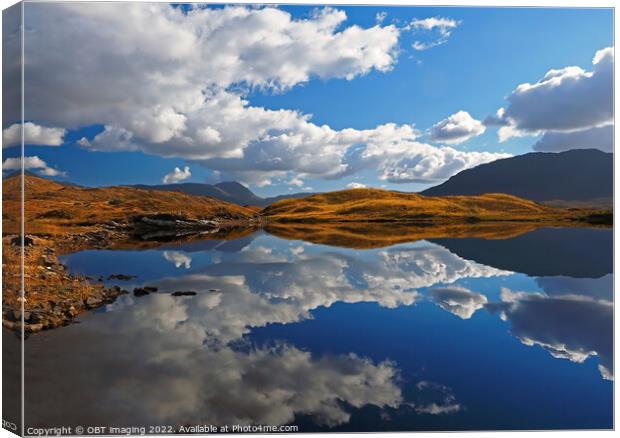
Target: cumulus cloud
x: 458, y: 300
x: 33, y: 135
x: 439, y: 27
x: 191, y: 101
x: 457, y: 128
x: 426, y: 163
x: 563, y: 103
x: 356, y: 185
x: 177, y: 175
x: 31, y: 163
x: 572, y: 327
x: 593, y: 138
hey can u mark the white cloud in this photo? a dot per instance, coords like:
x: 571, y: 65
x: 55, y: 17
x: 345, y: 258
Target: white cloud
x: 566, y: 100
x: 177, y: 175
x: 84, y: 142
x: 190, y: 103
x: 443, y: 399
x: 356, y: 185
x: 458, y: 300
x: 457, y: 128
x: 593, y: 138
x: 426, y: 163
x: 380, y: 17
x: 31, y: 163
x: 297, y: 182
x: 441, y: 28
x: 178, y: 259
x: 33, y: 135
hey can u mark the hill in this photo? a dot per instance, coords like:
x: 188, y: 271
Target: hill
x: 373, y: 205
x: 53, y: 206
x: 229, y: 191
x: 581, y: 176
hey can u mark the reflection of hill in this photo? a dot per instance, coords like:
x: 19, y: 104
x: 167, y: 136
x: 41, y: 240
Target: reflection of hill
x: 377, y: 235
x: 573, y: 252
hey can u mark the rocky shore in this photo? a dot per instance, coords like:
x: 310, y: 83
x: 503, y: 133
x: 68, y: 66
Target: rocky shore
x: 54, y: 297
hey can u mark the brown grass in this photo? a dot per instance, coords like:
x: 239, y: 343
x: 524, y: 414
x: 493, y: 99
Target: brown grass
x: 55, y: 208
x: 373, y: 205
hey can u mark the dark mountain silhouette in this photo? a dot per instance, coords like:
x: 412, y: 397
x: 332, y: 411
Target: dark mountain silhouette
x: 229, y: 191
x: 575, y: 175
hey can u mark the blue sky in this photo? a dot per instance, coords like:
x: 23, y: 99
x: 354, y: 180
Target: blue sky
x: 485, y: 57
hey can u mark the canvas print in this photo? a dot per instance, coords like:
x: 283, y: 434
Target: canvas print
x: 306, y: 218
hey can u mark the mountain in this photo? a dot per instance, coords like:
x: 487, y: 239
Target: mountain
x: 576, y: 175
x: 374, y: 205
x: 229, y: 191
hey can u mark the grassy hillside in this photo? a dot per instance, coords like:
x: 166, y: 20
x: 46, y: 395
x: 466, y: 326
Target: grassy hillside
x: 55, y: 207
x: 364, y: 205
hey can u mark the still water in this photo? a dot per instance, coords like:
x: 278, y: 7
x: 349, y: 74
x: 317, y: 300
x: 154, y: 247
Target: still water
x: 447, y: 334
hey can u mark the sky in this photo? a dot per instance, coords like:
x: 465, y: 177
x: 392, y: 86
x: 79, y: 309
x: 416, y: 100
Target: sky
x: 300, y: 98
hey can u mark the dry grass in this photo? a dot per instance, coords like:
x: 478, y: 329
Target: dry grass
x: 55, y: 208
x: 373, y: 205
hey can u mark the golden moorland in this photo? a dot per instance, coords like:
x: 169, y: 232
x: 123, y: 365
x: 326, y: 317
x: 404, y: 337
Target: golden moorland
x: 64, y: 218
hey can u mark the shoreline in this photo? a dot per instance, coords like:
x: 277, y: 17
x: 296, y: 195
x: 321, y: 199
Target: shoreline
x: 56, y: 297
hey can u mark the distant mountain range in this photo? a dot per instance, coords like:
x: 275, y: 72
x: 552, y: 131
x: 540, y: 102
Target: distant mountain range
x: 229, y: 191
x: 578, y: 175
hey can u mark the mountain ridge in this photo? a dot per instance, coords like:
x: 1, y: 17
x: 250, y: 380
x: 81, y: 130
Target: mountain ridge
x: 228, y: 191
x: 574, y: 175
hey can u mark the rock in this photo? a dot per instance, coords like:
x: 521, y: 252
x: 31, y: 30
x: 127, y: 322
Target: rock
x: 33, y: 328
x: 17, y: 241
x: 15, y: 315
x: 214, y: 290
x: 35, y: 318
x: 121, y: 277
x: 140, y: 292
x: 49, y: 260
x: 150, y: 288
x: 92, y: 301
x: 183, y: 293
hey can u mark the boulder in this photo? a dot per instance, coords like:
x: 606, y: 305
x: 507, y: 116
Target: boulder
x: 183, y: 293
x: 140, y: 292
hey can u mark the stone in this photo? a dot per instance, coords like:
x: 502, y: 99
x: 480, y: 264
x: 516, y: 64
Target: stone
x: 93, y: 301
x: 183, y: 293
x: 140, y: 292
x: 124, y: 277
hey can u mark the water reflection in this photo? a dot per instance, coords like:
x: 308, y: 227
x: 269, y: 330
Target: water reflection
x: 572, y: 327
x: 250, y: 346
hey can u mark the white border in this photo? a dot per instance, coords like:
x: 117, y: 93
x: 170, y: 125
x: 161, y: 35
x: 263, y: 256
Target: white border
x: 448, y: 3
